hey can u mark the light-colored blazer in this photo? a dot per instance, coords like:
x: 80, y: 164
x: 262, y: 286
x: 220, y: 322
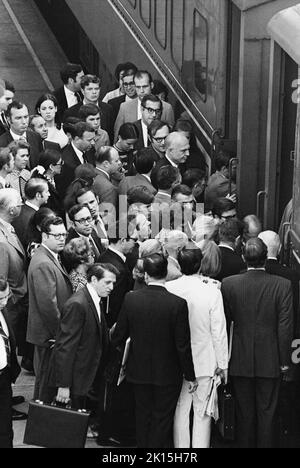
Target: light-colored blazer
x: 207, y: 322
x: 128, y: 113
x: 12, y: 263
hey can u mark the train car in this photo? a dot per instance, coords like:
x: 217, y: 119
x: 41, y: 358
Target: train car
x: 215, y: 56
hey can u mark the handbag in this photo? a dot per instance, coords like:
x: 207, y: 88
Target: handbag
x: 226, y: 422
x: 52, y: 426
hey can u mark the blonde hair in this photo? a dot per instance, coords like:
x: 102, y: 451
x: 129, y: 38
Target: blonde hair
x: 212, y: 261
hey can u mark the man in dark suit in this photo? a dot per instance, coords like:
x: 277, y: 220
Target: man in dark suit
x: 116, y: 253
x: 7, y: 94
x: 49, y: 289
x: 18, y: 118
x: 151, y: 109
x: 38, y: 124
x: 37, y: 194
x: 144, y: 164
x: 218, y: 184
x: 90, y: 86
x: 272, y: 241
x: 69, y: 94
x: 177, y: 152
x: 9, y: 369
x: 261, y: 309
x: 232, y: 263
x: 74, y: 154
x: 82, y: 341
x: 160, y: 353
x: 107, y: 163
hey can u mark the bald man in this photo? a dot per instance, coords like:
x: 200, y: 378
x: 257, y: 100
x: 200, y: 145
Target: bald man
x: 177, y: 152
x: 272, y: 241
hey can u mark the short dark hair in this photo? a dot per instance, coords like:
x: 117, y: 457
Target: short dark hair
x: 139, y: 194
x: 141, y: 73
x: 34, y: 186
x: 103, y: 154
x: 128, y: 131
x: 144, y: 161
x: 87, y: 110
x: 78, y: 129
x: 5, y: 157
x: 230, y: 230
x: 48, y: 222
x: 9, y: 86
x: 183, y: 126
x: 98, y: 270
x: 86, y: 172
x: 155, y: 126
x: 86, y: 80
x: 166, y: 177
x: 151, y: 98
x: 3, y: 284
x: 48, y: 157
x: 193, y: 176
x: 129, y: 67
x: 71, y: 70
x: 183, y: 189
x: 255, y: 253
x: 75, y: 210
x: 190, y: 260
x: 222, y: 160
x: 15, y: 105
x: 221, y: 205
x: 160, y: 87
x: 156, y: 266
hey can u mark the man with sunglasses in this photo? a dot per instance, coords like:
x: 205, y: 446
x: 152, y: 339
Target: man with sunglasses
x: 49, y: 288
x: 151, y: 111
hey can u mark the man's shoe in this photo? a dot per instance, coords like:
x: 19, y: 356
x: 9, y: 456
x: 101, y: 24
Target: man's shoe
x: 18, y: 416
x: 17, y: 400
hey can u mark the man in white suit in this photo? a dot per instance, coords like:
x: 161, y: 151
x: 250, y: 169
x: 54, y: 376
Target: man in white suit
x: 209, y: 346
x: 131, y: 111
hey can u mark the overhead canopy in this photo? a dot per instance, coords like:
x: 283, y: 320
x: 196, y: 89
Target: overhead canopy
x: 284, y: 28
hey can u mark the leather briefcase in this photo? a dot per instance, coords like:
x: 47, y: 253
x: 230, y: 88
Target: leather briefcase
x: 226, y: 422
x: 52, y: 426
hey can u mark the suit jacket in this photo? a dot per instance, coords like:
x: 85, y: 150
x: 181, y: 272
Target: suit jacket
x: 71, y: 161
x: 140, y: 144
x: 13, y: 263
x: 161, y: 163
x: 21, y: 224
x: 232, y: 263
x: 3, y: 128
x: 160, y: 350
x: 207, y: 322
x: 275, y: 268
x: 217, y: 187
x: 129, y: 113
x: 261, y: 307
x: 35, y: 143
x: 62, y: 103
x: 133, y: 181
x: 51, y: 145
x: 116, y: 104
x: 123, y: 285
x: 81, y: 346
x: 105, y: 189
x: 14, y: 365
x: 106, y: 116
x: 72, y: 234
x: 49, y: 289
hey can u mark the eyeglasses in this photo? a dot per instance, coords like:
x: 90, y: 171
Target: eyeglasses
x: 62, y: 235
x: 129, y: 85
x: 84, y: 220
x: 159, y: 140
x: 153, y: 111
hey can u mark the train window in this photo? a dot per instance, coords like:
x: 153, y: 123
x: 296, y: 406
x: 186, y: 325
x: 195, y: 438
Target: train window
x: 132, y: 3
x: 177, y: 32
x: 200, y: 53
x: 161, y: 22
x: 145, y: 12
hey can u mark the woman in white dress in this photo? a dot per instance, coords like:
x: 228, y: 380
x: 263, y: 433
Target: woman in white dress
x: 47, y: 108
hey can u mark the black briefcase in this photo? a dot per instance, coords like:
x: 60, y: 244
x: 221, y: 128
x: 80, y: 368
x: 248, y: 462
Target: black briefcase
x: 226, y: 422
x: 52, y: 426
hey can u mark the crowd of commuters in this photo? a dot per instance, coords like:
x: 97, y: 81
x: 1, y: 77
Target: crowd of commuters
x: 111, y: 228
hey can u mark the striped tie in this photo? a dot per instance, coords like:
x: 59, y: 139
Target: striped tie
x: 6, y: 344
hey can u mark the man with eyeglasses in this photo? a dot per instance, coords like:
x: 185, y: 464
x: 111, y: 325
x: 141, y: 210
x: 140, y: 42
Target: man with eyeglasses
x: 129, y: 90
x: 49, y: 288
x: 132, y: 111
x: 83, y: 226
x: 151, y: 111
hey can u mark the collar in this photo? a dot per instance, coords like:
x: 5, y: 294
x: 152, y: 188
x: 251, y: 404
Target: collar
x: 273, y: 258
x: 68, y: 92
x: 225, y: 246
x: 17, y: 137
x: 55, y: 255
x: 147, y: 177
x: 153, y: 283
x: 7, y: 225
x: 95, y: 298
x: 77, y: 151
x: 35, y: 208
x: 256, y: 269
x: 163, y: 193
x: 122, y: 256
x: 104, y: 172
x: 171, y: 162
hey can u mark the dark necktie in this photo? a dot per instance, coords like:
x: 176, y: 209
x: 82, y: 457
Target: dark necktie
x: 6, y: 344
x: 78, y: 97
x: 4, y: 120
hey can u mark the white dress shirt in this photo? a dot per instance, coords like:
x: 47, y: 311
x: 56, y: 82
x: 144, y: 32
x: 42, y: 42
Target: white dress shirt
x: 34, y: 207
x: 71, y: 97
x: 145, y: 134
x: 18, y: 137
x: 112, y: 95
x: 79, y: 153
x: 139, y: 110
x: 3, y: 356
x: 96, y: 299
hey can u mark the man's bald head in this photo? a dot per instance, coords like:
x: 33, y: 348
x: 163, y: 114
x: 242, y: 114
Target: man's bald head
x: 252, y: 227
x: 272, y: 241
x: 177, y: 147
